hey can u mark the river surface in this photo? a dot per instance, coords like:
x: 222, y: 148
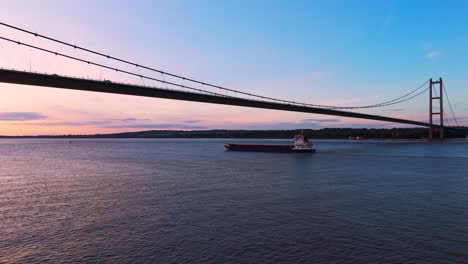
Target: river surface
x: 189, y: 201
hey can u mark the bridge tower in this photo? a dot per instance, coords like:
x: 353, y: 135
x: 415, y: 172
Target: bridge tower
x: 440, y: 113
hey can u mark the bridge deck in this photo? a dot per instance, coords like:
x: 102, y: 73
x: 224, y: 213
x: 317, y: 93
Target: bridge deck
x: 56, y: 81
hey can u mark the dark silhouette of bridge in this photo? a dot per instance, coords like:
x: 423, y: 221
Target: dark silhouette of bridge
x: 56, y: 81
x: 204, y: 95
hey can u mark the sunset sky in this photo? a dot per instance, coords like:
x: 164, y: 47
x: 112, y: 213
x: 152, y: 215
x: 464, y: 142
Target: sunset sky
x: 321, y: 52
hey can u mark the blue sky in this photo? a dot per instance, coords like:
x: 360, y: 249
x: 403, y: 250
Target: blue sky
x: 337, y: 52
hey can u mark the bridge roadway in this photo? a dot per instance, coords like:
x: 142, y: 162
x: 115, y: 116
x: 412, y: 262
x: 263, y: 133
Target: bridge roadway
x: 72, y: 83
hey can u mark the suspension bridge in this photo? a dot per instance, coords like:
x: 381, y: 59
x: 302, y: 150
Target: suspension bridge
x: 189, y: 88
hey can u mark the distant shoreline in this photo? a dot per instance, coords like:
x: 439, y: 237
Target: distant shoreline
x: 357, y: 134
x: 313, y: 139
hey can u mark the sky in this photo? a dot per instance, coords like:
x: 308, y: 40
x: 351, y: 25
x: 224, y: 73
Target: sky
x: 321, y: 52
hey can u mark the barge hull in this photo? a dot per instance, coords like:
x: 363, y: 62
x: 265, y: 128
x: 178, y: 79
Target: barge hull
x: 265, y: 148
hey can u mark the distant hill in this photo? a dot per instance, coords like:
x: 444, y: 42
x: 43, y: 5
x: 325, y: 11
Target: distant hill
x: 325, y: 133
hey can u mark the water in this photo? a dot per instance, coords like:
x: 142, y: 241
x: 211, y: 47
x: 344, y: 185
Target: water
x: 189, y: 201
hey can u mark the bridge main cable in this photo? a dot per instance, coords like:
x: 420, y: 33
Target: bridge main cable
x: 387, y: 103
x: 448, y: 100
x: 106, y: 67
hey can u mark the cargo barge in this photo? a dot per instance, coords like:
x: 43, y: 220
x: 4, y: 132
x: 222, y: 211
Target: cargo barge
x: 301, y: 144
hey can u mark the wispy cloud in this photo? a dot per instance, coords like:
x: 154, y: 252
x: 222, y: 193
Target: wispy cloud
x: 120, y: 124
x: 368, y: 125
x: 282, y: 125
x: 431, y: 51
x: 316, y: 120
x: 78, y: 123
x: 387, y: 22
x: 433, y: 54
x: 309, y: 123
x: 193, y: 121
x: 129, y: 120
x: 155, y: 126
x: 21, y: 116
x: 460, y: 119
